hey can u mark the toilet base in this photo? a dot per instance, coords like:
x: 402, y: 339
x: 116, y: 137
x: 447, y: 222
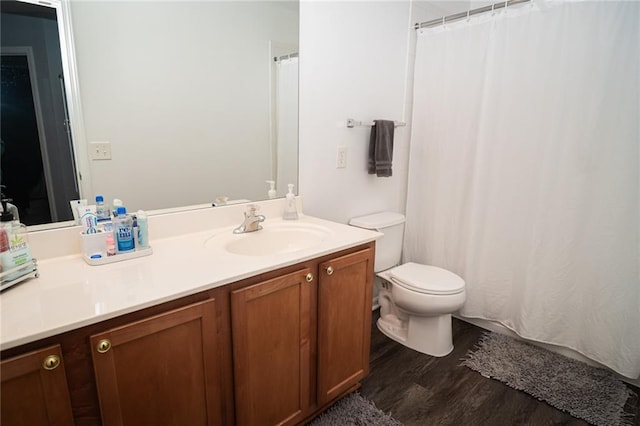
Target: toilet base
x: 427, y: 335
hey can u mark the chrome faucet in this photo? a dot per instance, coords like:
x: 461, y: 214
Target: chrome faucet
x: 251, y: 220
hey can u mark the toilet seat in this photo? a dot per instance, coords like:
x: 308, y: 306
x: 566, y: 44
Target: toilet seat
x: 426, y: 279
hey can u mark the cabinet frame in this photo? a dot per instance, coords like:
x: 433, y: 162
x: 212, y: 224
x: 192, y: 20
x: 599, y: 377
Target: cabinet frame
x: 245, y: 303
x: 105, y: 363
x: 344, y: 358
x: 52, y: 385
x: 77, y: 349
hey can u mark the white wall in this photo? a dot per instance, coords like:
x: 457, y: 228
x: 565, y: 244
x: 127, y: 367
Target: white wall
x: 357, y: 61
x: 353, y: 64
x: 181, y: 90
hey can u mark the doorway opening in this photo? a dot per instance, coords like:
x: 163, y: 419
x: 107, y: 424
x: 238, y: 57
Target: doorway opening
x: 37, y: 164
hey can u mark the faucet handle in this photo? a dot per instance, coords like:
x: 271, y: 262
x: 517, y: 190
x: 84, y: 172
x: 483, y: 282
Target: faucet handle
x: 252, y: 209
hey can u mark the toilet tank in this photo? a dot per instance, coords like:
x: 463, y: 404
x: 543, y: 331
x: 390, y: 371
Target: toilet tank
x: 389, y: 247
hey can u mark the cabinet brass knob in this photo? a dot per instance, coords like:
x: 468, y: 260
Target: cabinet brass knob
x: 309, y: 277
x: 51, y: 362
x: 329, y: 270
x: 103, y: 346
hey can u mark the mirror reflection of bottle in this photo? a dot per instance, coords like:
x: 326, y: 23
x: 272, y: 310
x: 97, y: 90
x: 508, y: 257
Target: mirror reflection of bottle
x: 123, y: 228
x: 17, y: 253
x: 4, y: 245
x: 102, y: 211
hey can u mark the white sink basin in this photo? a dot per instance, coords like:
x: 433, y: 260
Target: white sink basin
x: 274, y: 238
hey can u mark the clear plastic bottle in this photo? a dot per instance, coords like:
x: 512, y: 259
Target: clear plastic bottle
x: 123, y: 228
x: 143, y: 230
x: 290, y: 210
x: 111, y: 245
x: 102, y: 211
x: 116, y: 203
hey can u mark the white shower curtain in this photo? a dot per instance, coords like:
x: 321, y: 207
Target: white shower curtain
x: 287, y: 124
x: 524, y: 171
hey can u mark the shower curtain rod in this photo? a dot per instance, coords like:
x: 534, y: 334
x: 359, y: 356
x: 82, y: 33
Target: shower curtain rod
x: 462, y: 15
x: 283, y: 57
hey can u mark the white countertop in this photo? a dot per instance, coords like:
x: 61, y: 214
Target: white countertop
x: 70, y: 293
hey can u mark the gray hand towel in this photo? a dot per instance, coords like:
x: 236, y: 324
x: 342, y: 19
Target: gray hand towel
x: 381, y: 148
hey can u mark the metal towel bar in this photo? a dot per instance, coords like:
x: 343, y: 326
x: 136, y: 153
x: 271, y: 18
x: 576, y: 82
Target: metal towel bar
x: 351, y: 123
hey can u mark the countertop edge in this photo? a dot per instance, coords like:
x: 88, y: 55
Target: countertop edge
x: 196, y: 287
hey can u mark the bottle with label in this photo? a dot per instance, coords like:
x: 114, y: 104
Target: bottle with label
x: 102, y: 211
x: 123, y: 228
x: 4, y: 246
x: 116, y: 203
x: 111, y: 245
x: 17, y: 253
x: 290, y: 209
x: 143, y: 230
x: 135, y: 231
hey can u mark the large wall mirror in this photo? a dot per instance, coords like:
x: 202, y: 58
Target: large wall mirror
x: 195, y: 100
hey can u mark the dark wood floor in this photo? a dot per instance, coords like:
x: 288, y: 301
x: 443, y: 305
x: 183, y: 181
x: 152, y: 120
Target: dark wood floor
x: 419, y: 389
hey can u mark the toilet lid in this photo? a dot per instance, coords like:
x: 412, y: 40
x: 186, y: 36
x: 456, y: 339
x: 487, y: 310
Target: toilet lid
x: 426, y: 279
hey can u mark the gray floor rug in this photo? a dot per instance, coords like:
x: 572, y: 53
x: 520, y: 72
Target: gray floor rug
x: 354, y: 410
x: 591, y: 394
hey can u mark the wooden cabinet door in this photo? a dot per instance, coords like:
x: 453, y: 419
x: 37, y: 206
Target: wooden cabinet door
x: 270, y: 324
x: 160, y: 371
x: 34, y: 389
x: 344, y: 322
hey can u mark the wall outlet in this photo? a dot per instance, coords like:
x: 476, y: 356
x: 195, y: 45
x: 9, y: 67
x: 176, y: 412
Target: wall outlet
x: 341, y: 160
x: 100, y: 150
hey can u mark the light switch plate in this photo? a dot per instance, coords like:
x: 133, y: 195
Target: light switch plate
x: 100, y: 150
x: 341, y: 159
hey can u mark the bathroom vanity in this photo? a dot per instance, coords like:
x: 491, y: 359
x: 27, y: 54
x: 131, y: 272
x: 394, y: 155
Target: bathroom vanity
x: 225, y: 339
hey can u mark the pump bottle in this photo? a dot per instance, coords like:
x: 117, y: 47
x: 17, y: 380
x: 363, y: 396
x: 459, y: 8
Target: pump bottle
x: 290, y: 211
x: 272, y: 189
x: 17, y: 253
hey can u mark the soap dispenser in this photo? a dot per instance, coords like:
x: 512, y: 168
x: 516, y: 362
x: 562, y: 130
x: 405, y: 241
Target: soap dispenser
x: 290, y: 211
x: 272, y: 190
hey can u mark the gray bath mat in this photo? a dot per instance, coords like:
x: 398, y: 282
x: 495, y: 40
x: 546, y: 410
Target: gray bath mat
x: 592, y: 394
x: 354, y: 410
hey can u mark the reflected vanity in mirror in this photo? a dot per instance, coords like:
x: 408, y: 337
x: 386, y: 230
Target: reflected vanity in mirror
x: 195, y: 100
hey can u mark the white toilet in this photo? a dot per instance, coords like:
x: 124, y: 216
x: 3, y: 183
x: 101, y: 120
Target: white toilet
x: 416, y: 301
